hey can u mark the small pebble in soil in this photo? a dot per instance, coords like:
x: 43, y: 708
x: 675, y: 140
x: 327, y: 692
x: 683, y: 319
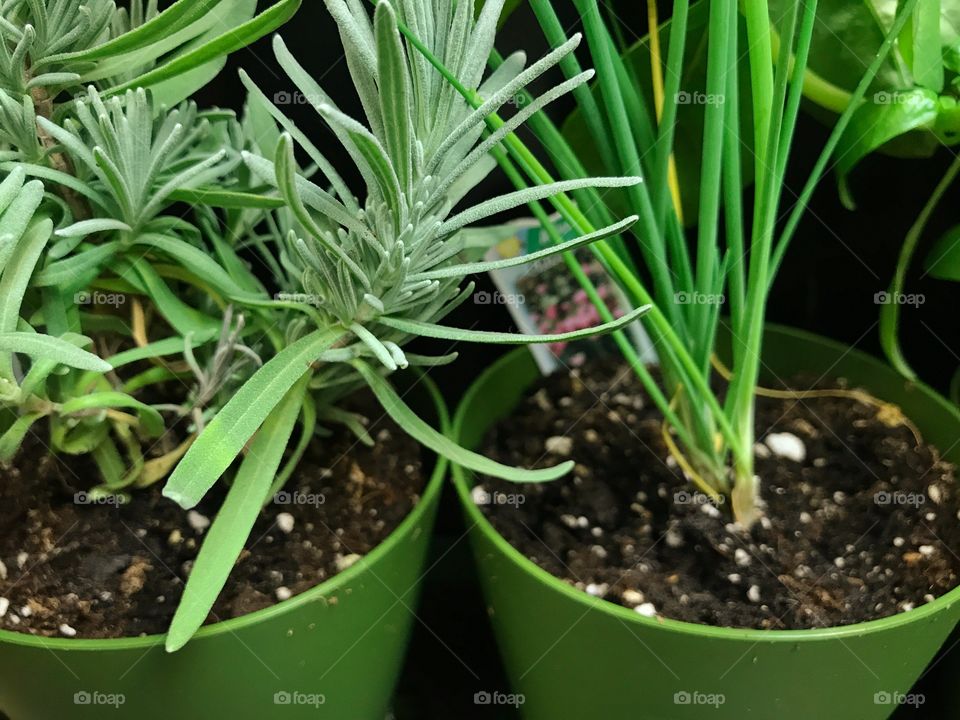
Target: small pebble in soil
x: 927, y: 550
x: 3, y: 571
x: 597, y: 590
x: 734, y: 578
x: 787, y: 445
x: 543, y: 400
x: 805, y: 517
x: 175, y: 537
x: 22, y: 559
x: 753, y: 594
x: 559, y: 445
x: 632, y: 597
x: 283, y: 593
x: 933, y: 491
x: 646, y: 609
x: 479, y: 495
x: 67, y: 631
x: 285, y: 522
x: 197, y: 521
x: 25, y: 611
x: 898, y: 542
x: 4, y: 604
x: 742, y: 557
x: 345, y: 561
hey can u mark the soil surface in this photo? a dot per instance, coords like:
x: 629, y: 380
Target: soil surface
x: 860, y: 522
x: 69, y: 567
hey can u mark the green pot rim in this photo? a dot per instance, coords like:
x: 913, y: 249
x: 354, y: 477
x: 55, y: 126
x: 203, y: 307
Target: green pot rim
x: 463, y: 487
x: 328, y: 587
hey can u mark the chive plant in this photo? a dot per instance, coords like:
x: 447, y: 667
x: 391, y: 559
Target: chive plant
x: 367, y: 275
x: 740, y: 238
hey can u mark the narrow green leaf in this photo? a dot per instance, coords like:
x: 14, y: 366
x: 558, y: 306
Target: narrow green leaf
x: 184, y: 318
x: 16, y: 278
x: 18, y: 215
x: 151, y: 419
x: 89, y: 227
x: 71, y: 270
x: 195, y: 260
x: 227, y: 199
x: 532, y: 194
x: 441, y: 332
x: 12, y: 439
x: 233, y: 523
x: 479, y: 267
x: 395, y: 93
x: 45, y: 347
x: 426, y: 435
x: 227, y: 434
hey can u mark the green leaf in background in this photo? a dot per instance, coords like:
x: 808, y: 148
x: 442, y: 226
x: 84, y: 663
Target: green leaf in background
x: 943, y: 261
x: 224, y: 44
x: 911, y: 109
x: 693, y: 101
x: 172, y: 92
x: 920, y: 43
x: 885, y: 117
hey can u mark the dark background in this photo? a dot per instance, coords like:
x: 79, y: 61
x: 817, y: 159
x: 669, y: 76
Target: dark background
x: 838, y: 261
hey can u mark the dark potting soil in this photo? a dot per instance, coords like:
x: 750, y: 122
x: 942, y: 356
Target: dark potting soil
x: 99, y: 570
x: 860, y: 522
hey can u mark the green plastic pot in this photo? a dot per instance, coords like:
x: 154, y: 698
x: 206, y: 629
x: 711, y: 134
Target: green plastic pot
x: 332, y: 652
x: 571, y: 655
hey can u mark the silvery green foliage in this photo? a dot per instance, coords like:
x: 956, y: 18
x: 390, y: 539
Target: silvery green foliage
x: 131, y: 158
x: 34, y: 32
x: 24, y: 234
x: 95, y: 146
x: 52, y: 49
x: 376, y: 266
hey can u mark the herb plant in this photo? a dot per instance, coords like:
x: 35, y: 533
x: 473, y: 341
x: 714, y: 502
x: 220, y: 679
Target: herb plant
x: 732, y: 255
x: 90, y: 230
x: 366, y: 276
